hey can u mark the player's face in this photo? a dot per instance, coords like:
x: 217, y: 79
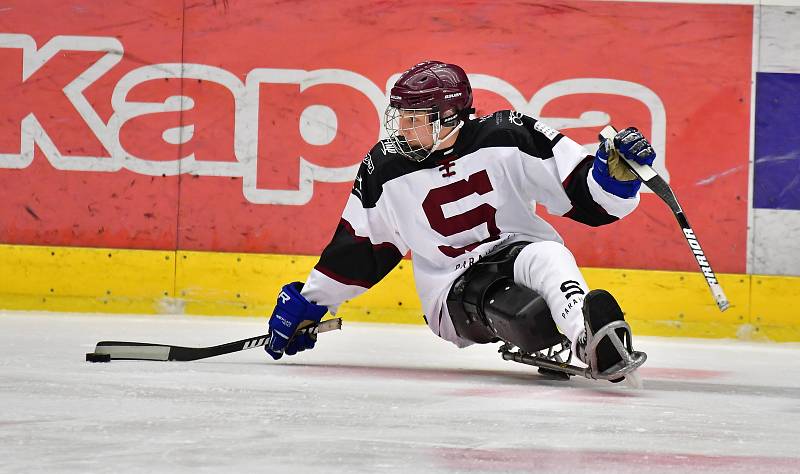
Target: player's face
x: 417, y: 128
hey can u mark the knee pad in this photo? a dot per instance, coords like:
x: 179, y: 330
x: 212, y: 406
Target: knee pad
x: 486, y: 305
x: 520, y: 316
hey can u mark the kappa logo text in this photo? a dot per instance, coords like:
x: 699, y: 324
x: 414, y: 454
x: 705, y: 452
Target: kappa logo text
x: 133, y: 137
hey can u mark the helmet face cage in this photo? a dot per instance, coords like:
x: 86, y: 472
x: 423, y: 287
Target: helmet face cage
x: 414, y: 132
x: 417, y: 103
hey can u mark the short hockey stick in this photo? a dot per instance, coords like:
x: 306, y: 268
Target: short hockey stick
x: 106, y: 351
x: 660, y: 187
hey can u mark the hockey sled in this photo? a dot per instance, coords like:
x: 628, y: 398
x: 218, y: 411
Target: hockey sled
x: 555, y: 361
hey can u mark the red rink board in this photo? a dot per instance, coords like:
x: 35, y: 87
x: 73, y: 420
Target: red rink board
x: 244, y: 68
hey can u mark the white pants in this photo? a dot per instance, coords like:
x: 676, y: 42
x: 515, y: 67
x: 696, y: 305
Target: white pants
x: 549, y: 269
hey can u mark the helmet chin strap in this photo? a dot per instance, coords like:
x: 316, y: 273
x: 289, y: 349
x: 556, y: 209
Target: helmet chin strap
x: 439, y: 141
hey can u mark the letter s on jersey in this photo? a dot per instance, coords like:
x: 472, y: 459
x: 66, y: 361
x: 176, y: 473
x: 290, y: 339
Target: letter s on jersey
x: 448, y: 226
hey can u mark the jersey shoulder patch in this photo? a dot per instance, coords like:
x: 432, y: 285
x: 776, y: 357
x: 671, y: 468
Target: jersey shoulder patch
x: 493, y: 130
x: 387, y: 147
x: 509, y: 128
x: 519, y: 122
x: 382, y: 164
x: 546, y: 130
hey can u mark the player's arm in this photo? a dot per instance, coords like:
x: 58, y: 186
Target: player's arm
x: 363, y: 250
x: 599, y: 190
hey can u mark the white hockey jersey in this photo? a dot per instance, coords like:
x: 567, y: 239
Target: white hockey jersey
x: 457, y: 206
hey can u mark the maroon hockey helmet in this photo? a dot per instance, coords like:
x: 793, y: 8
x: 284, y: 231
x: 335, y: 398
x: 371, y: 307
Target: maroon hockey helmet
x: 438, y: 96
x: 434, y: 85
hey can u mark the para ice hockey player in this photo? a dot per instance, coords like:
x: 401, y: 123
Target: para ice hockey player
x: 460, y: 194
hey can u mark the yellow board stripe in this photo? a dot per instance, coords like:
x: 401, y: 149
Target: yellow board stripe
x: 84, y: 279
x: 242, y: 284
x: 247, y: 284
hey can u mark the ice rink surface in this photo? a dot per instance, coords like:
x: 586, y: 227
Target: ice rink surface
x: 380, y: 398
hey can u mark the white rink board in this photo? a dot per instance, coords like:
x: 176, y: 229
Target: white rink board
x: 375, y: 398
x: 779, y: 41
x: 777, y: 249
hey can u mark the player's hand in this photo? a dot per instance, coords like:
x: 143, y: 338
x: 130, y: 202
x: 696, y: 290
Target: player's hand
x: 292, y: 314
x: 634, y: 146
x: 629, y: 143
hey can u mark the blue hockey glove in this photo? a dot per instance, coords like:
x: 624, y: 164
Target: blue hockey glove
x: 291, y: 315
x: 611, y: 173
x: 634, y: 146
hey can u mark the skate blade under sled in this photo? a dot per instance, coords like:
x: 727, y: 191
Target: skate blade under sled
x: 555, y: 361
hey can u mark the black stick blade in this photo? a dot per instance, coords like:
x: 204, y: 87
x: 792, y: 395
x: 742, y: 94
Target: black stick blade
x: 95, y: 357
